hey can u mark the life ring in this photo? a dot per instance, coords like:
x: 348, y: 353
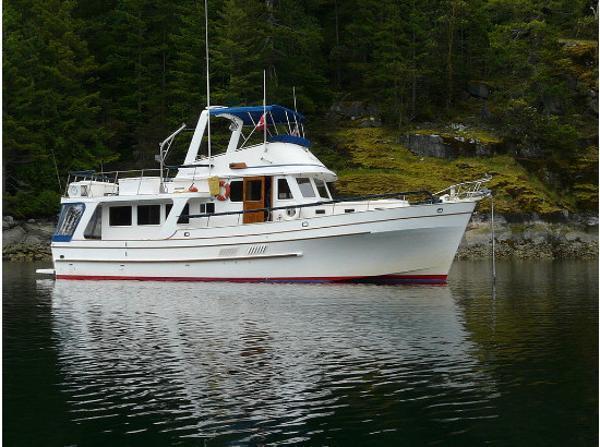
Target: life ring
x: 74, y: 191
x: 223, y: 184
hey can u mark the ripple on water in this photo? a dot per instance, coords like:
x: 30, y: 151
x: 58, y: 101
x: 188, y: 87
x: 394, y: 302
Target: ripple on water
x: 247, y: 362
x: 327, y: 364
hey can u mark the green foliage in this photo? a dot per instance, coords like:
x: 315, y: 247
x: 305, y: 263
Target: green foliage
x: 375, y: 164
x: 25, y: 204
x: 90, y: 83
x: 51, y: 105
x: 524, y: 126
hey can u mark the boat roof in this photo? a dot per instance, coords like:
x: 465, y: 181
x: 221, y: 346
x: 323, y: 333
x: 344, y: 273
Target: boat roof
x: 250, y: 115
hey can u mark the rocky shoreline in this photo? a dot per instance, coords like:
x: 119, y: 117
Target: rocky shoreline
x: 521, y: 237
x: 529, y: 237
x: 27, y: 240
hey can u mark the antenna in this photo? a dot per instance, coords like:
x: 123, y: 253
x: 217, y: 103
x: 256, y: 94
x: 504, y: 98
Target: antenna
x: 295, y: 105
x: 265, y: 109
x: 207, y: 80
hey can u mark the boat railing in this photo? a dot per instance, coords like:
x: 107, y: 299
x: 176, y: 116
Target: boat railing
x: 428, y: 197
x: 113, y: 177
x: 466, y: 190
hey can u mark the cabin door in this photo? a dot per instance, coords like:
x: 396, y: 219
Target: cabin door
x: 254, y: 199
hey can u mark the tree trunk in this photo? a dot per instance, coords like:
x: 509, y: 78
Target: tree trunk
x: 451, y: 26
x: 338, y: 71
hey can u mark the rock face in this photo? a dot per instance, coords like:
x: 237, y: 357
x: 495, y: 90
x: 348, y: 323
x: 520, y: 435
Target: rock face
x: 428, y: 146
x: 529, y: 237
x: 449, y: 147
x: 478, y: 89
x: 359, y: 112
x: 26, y: 241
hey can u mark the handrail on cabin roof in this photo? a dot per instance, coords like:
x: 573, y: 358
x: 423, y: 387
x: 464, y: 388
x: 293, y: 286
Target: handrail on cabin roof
x: 250, y: 115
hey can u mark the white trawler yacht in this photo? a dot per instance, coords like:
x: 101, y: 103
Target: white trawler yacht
x: 260, y: 212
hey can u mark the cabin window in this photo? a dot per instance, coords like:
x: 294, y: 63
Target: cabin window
x: 236, y: 190
x: 70, y: 216
x: 322, y: 189
x: 207, y: 208
x: 119, y: 216
x: 331, y: 188
x: 283, y: 189
x: 93, y: 230
x: 184, y: 217
x: 254, y: 190
x: 306, y: 187
x: 168, y: 207
x: 148, y: 215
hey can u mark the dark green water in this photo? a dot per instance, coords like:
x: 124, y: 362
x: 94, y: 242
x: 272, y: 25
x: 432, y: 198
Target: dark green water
x: 128, y: 363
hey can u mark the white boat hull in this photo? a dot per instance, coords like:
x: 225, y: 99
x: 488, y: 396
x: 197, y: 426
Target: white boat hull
x: 415, y: 243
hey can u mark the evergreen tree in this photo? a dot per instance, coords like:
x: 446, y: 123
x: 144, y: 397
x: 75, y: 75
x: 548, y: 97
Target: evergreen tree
x: 51, y: 111
x: 236, y: 70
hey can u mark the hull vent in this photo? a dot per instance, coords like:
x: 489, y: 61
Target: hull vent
x: 231, y: 251
x: 257, y: 250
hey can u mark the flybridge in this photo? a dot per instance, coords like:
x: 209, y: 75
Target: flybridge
x: 251, y: 115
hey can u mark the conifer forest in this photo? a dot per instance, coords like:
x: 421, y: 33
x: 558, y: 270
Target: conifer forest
x: 510, y: 85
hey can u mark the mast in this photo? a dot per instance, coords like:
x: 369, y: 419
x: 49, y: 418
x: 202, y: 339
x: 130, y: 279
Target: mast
x: 265, y: 109
x: 207, y: 81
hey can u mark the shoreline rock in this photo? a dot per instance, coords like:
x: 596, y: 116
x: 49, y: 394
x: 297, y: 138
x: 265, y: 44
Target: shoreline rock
x: 26, y: 240
x: 519, y: 237
x: 529, y: 237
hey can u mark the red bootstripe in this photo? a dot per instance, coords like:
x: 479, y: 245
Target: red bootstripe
x: 420, y: 277
x: 405, y: 278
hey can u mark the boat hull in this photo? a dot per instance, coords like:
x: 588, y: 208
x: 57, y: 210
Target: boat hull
x: 409, y: 244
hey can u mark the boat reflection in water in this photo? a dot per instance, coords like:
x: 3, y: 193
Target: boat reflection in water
x: 258, y: 363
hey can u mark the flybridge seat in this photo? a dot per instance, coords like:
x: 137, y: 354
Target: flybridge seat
x: 251, y: 115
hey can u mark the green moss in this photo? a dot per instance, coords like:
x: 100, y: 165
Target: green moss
x: 378, y: 164
x: 479, y: 135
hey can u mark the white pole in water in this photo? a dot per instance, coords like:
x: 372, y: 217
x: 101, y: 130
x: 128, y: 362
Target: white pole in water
x: 493, y: 244
x: 265, y: 110
x: 207, y: 82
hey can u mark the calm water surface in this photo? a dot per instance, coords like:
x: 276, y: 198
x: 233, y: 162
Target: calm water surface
x: 140, y: 363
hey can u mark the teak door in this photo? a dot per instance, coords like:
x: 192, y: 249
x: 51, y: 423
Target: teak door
x: 254, y: 199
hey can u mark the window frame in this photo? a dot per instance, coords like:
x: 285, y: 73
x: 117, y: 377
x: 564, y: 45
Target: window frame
x: 324, y: 183
x: 60, y: 235
x: 312, y: 186
x: 95, y: 222
x: 110, y: 208
x: 249, y: 190
x: 241, y: 182
x: 137, y: 220
x: 204, y: 208
x: 291, y: 193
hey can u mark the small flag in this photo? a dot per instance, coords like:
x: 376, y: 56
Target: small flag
x: 261, y: 123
